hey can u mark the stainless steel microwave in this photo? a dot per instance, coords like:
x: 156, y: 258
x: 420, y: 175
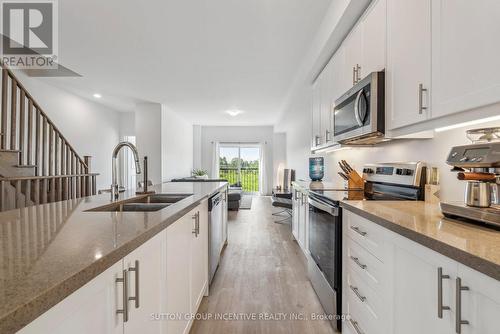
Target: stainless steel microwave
x: 359, y: 114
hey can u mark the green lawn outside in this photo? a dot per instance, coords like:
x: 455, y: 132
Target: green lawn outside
x: 249, y: 177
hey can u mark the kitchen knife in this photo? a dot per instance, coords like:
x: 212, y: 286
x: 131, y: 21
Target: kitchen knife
x: 345, y: 170
x: 344, y: 176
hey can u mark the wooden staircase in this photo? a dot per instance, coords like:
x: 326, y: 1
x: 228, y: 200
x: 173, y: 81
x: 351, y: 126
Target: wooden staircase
x: 37, y: 164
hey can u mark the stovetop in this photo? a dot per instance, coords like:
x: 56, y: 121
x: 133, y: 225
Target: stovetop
x: 334, y: 196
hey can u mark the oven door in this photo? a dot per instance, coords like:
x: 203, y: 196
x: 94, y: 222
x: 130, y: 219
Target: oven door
x: 325, y: 230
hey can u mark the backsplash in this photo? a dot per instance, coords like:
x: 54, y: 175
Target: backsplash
x: 432, y: 151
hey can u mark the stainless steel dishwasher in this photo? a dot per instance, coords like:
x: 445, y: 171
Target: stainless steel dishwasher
x: 215, y: 239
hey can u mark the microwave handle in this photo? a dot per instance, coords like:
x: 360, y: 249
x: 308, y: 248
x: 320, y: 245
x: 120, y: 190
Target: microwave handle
x: 356, y: 108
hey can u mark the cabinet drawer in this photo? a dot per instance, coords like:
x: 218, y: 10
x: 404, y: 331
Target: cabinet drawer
x: 370, y: 269
x: 372, y: 305
x: 366, y: 233
x: 357, y: 317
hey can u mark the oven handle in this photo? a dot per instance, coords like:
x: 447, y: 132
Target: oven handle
x: 356, y: 108
x: 334, y: 211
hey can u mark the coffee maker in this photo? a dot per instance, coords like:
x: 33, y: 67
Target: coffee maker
x: 479, y: 165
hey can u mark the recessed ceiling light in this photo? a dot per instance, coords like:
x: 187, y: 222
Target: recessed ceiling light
x: 97, y: 95
x: 234, y: 112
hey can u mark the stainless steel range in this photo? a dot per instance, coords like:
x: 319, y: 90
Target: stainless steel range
x: 385, y: 181
x: 479, y: 165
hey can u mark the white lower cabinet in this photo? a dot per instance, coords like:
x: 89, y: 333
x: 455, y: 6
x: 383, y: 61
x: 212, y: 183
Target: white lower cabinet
x: 300, y: 219
x: 414, y: 290
x: 98, y: 307
x: 153, y: 290
x: 480, y: 304
x: 146, y: 269
x: 90, y: 309
x: 187, y: 268
x: 295, y: 214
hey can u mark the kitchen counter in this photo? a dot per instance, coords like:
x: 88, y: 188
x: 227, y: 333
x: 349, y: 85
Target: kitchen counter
x: 49, y: 251
x: 315, y: 185
x: 472, y: 245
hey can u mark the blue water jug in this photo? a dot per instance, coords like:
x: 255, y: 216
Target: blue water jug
x: 316, y: 168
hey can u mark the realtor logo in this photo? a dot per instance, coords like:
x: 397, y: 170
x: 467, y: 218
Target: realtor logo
x: 29, y: 33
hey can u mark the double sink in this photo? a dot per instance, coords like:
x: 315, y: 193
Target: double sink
x: 150, y: 203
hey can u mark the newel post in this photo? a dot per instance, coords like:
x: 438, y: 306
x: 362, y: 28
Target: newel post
x: 88, y: 180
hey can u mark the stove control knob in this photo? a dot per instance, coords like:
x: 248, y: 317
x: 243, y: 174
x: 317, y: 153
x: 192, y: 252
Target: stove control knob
x: 464, y: 159
x: 368, y: 171
x: 399, y: 171
x: 408, y: 171
x: 479, y: 159
x: 473, y: 160
x: 454, y: 154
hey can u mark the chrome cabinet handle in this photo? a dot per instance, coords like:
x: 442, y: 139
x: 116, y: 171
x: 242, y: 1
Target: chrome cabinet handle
x: 124, y: 281
x: 421, y: 91
x: 355, y: 324
x: 356, y: 260
x: 356, y: 292
x: 357, y: 230
x: 317, y: 140
x: 135, y: 269
x: 358, y: 73
x: 441, y: 307
x: 196, y: 229
x: 327, y: 136
x: 458, y: 316
x: 354, y: 76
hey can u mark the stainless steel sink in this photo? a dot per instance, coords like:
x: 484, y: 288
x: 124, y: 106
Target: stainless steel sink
x: 167, y: 198
x: 150, y: 203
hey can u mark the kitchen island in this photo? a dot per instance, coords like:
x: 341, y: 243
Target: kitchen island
x: 50, y: 251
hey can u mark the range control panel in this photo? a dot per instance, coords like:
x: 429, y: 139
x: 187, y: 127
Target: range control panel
x: 401, y: 173
x: 475, y: 155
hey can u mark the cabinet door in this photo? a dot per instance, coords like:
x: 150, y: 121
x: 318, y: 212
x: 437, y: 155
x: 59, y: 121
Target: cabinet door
x: 340, y: 83
x: 374, y: 38
x: 179, y: 236
x: 326, y: 93
x: 481, y: 303
x: 316, y: 112
x: 353, y: 45
x: 199, y: 256
x: 90, y: 309
x: 224, y: 217
x: 146, y: 270
x: 303, y: 222
x: 295, y: 215
x: 465, y: 50
x: 408, y: 62
x: 415, y: 290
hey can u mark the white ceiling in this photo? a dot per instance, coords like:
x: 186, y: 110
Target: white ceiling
x: 199, y: 57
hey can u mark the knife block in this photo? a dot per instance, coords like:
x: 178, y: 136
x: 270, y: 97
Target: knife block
x: 355, y: 181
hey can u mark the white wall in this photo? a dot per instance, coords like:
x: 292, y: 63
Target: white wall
x: 91, y: 128
x: 177, y: 145
x: 279, y: 155
x: 253, y: 134
x: 148, y: 129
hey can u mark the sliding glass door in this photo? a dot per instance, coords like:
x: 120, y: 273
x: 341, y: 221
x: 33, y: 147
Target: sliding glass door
x: 239, y: 164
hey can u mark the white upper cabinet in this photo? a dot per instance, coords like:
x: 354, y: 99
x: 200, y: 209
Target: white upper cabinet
x: 465, y: 55
x: 326, y: 102
x: 408, y: 75
x: 353, y: 48
x: 341, y: 80
x: 374, y: 28
x: 316, y: 112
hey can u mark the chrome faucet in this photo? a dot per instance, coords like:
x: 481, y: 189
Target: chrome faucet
x: 114, y: 184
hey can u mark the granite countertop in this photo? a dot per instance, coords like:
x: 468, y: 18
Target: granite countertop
x: 473, y: 245
x: 49, y: 251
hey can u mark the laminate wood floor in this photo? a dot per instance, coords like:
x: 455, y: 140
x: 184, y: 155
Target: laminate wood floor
x: 262, y: 272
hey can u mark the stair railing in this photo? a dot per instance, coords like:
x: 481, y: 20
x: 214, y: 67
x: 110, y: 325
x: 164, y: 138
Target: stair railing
x: 26, y: 129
